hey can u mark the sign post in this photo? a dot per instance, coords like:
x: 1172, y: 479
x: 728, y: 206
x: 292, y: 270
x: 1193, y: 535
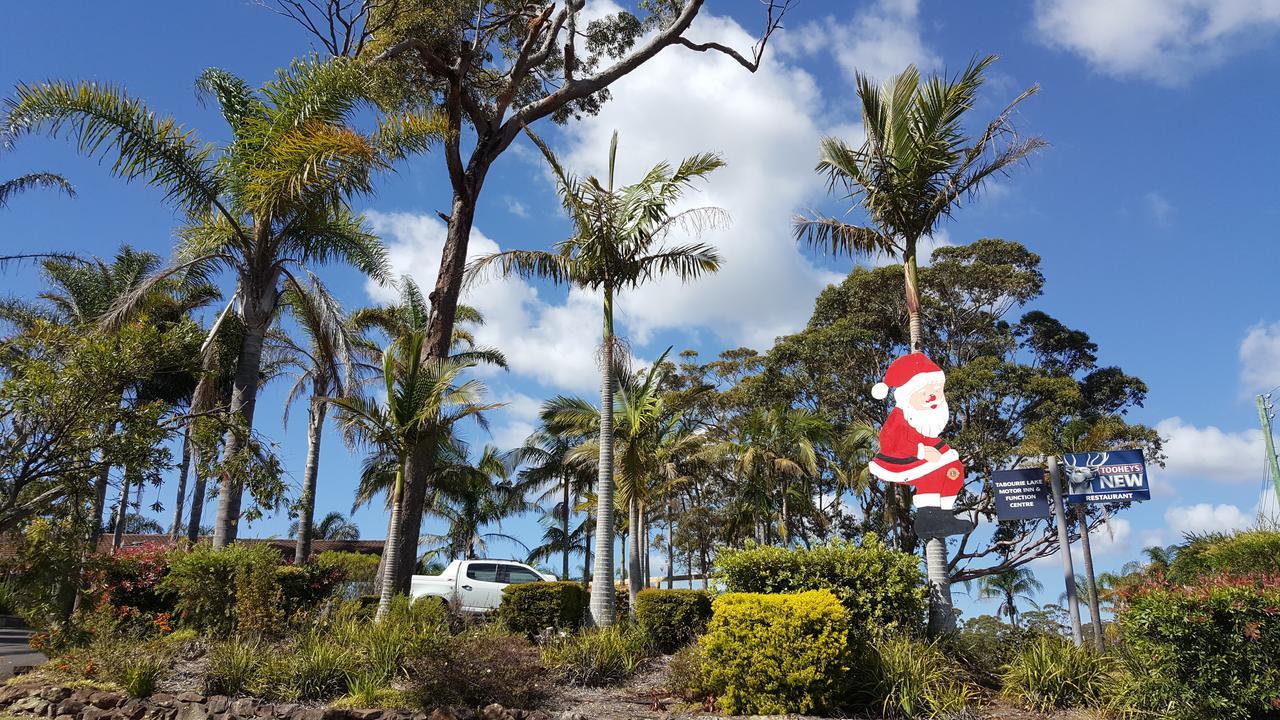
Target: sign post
x: 1064, y: 548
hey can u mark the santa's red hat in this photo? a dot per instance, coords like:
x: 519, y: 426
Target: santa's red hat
x: 909, y: 373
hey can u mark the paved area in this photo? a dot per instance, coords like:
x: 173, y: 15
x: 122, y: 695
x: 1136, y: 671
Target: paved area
x: 15, y: 652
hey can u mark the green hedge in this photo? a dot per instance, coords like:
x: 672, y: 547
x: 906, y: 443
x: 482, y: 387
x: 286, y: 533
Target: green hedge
x: 776, y: 654
x: 1211, y: 650
x: 672, y: 618
x: 530, y: 608
x: 883, y: 589
x: 1248, y: 553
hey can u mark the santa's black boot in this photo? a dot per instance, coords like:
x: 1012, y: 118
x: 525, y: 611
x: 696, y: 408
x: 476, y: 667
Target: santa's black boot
x: 933, y: 522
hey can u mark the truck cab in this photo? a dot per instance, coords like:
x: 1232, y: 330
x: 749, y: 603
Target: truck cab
x: 474, y: 585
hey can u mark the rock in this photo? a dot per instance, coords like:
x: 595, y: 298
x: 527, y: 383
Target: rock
x: 190, y: 697
x: 55, y: 694
x: 494, y: 711
x: 309, y: 713
x: 244, y: 707
x: 367, y: 714
x: 34, y: 705
x: 217, y: 704
x: 162, y: 699
x: 131, y: 709
x: 265, y: 710
x: 283, y: 710
x: 12, y: 693
x: 570, y: 715
x: 64, y: 717
x: 70, y: 706
x: 192, y: 711
x: 442, y: 714
x: 105, y: 700
x: 538, y: 715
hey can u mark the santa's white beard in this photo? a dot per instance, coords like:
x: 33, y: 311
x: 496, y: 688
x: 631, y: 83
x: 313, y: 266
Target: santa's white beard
x: 928, y: 422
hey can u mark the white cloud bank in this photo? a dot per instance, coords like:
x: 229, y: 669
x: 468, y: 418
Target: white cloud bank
x: 1260, y: 359
x: 1209, y: 453
x: 878, y: 41
x: 1167, y: 41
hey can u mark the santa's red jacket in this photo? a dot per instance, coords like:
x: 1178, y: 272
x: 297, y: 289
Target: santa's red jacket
x: 901, y: 460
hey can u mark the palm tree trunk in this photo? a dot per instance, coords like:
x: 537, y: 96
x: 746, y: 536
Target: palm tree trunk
x: 671, y: 546
x: 1095, y: 612
x: 258, y: 309
x: 197, y: 494
x: 122, y: 509
x: 102, y: 482
x: 417, y: 476
x: 391, y: 551
x: 586, y: 552
x: 635, y: 572
x: 564, y: 525
x: 180, y: 501
x: 602, y: 599
x: 307, y: 509
x: 912, y: 292
x: 382, y: 560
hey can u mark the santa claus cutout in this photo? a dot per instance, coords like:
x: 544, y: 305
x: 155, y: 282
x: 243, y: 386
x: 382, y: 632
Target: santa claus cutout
x: 911, y: 452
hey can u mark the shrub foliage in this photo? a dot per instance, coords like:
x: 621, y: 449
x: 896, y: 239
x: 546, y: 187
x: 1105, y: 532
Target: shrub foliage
x: 531, y: 608
x: 1051, y: 673
x: 775, y: 654
x: 882, y: 589
x: 672, y: 618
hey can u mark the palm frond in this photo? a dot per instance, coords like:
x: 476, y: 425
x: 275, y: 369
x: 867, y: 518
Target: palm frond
x: 9, y: 188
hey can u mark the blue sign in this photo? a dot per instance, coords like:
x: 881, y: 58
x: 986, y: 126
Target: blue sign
x: 1020, y: 494
x: 1106, y: 477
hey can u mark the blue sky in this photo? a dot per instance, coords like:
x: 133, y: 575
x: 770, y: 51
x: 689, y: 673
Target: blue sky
x: 1153, y: 210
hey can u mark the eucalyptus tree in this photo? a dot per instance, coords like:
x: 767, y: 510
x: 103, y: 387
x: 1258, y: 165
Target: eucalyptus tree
x: 914, y: 167
x: 618, y: 243
x: 325, y: 364
x: 272, y: 200
x: 410, y: 317
x: 496, y: 67
x: 1009, y: 587
x: 425, y: 399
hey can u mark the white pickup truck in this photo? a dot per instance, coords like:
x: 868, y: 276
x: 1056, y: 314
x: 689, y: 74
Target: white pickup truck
x: 474, y: 585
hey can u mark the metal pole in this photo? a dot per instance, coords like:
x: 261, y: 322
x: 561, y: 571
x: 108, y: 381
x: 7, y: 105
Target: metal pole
x: 1272, y: 465
x: 1064, y: 549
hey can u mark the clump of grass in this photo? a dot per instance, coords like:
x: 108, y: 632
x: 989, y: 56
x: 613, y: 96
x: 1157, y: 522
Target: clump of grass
x: 598, y: 657
x: 315, y: 668
x: 233, y: 665
x: 913, y: 679
x: 138, y: 675
x: 1051, y: 673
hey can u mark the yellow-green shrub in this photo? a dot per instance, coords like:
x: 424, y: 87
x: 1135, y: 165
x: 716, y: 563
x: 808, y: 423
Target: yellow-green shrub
x: 672, y: 618
x: 882, y: 588
x: 774, y: 654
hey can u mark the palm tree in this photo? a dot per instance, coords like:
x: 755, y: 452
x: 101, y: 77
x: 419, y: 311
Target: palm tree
x: 424, y: 401
x: 913, y: 169
x: 410, y: 316
x: 324, y: 365
x: 545, y: 457
x: 618, y: 243
x: 470, y: 496
x: 333, y: 526
x: 9, y: 188
x: 770, y: 450
x: 272, y: 200
x: 1009, y: 587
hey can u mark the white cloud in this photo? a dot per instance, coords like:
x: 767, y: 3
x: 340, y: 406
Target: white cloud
x: 553, y: 344
x: 1210, y: 453
x: 879, y: 41
x: 1260, y: 359
x: 764, y: 124
x: 1166, y: 41
x: 519, y: 419
x: 515, y: 207
x: 1161, y: 209
x: 1205, y: 517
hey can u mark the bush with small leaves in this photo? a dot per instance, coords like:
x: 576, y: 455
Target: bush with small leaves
x: 775, y: 654
x: 882, y: 589
x: 531, y: 608
x: 673, y: 618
